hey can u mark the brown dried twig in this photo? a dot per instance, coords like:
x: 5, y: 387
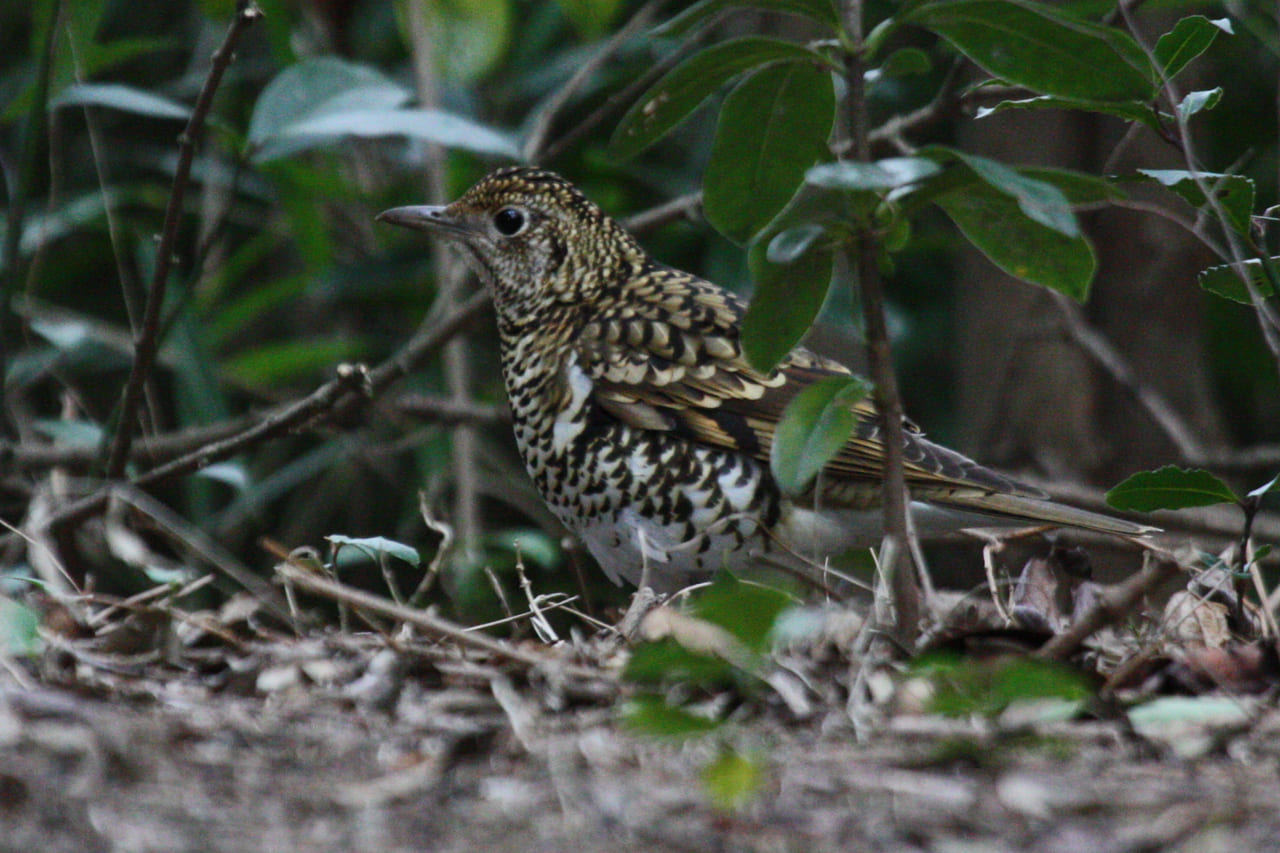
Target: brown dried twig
x: 431, y: 624
x: 336, y: 397
x: 1114, y: 603
x: 147, y: 342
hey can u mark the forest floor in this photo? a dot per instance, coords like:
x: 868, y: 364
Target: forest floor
x: 218, y: 731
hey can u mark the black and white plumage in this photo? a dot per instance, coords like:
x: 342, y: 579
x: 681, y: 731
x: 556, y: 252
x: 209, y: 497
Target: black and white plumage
x: 642, y: 424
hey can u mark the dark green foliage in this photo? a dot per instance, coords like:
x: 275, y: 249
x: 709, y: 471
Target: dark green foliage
x: 280, y: 273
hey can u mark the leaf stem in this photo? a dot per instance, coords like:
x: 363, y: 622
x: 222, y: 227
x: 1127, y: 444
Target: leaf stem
x: 903, y: 590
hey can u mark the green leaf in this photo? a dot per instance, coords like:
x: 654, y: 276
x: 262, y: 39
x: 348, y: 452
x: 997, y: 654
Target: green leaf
x: 821, y: 11
x: 772, y: 129
x: 436, y: 126
x: 888, y: 174
x: 966, y: 686
x: 1038, y: 200
x: 1026, y: 249
x: 733, y: 780
x: 233, y: 474
x: 468, y: 38
x: 1265, y: 487
x: 667, y: 661
x: 652, y: 715
x: 1037, y: 46
x: 1200, y: 101
x: 375, y: 546
x: 789, y: 245
x: 287, y: 360
x: 669, y: 101
x: 1078, y: 187
x: 19, y: 629
x: 1189, y: 38
x: 118, y: 96
x: 787, y: 299
x: 906, y: 62
x: 1170, y: 488
x: 1127, y: 110
x: 1233, y: 192
x: 746, y: 610
x: 591, y: 18
x: 814, y: 426
x: 314, y: 88
x: 533, y: 545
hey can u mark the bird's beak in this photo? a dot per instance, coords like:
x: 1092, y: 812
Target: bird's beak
x: 426, y: 217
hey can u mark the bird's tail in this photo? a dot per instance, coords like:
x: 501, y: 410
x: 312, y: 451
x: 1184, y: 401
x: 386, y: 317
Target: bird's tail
x: 1039, y: 511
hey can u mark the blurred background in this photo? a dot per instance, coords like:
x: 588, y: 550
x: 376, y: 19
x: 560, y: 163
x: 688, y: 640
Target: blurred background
x: 281, y: 273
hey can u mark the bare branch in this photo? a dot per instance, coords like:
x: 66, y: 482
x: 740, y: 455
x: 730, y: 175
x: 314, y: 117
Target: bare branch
x: 536, y: 143
x: 147, y: 342
x: 1114, y: 603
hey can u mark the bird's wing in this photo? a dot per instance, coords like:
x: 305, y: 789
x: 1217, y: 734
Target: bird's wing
x: 670, y: 360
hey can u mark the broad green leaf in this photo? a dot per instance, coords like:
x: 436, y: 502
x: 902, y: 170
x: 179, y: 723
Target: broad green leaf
x: 533, y: 545
x: 1127, y: 110
x: 789, y: 245
x: 437, y: 126
x: 746, y: 610
x: 1078, y: 187
x: 1170, y: 488
x: 821, y: 11
x: 669, y: 101
x: 118, y: 96
x: 19, y: 629
x: 667, y: 661
x: 375, y: 546
x: 1233, y: 192
x: 906, y: 62
x: 772, y: 129
x: 733, y: 780
x: 787, y: 299
x: 1038, y: 200
x: 1022, y: 247
x: 814, y: 426
x: 591, y: 18
x: 1225, y: 281
x: 1037, y: 46
x: 468, y: 38
x: 286, y: 360
x: 967, y: 686
x: 887, y: 174
x: 1189, y: 38
x: 318, y: 87
x: 1196, y: 102
x: 653, y: 716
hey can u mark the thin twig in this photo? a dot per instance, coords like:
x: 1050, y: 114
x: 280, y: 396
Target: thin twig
x: 666, y: 61
x: 682, y: 207
x: 147, y: 342
x: 898, y: 565
x: 1099, y: 350
x: 1114, y: 602
x: 447, y: 410
x: 537, y: 141
x: 350, y: 388
x: 431, y: 624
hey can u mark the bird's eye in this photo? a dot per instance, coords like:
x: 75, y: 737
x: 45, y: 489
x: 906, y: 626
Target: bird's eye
x: 508, y: 221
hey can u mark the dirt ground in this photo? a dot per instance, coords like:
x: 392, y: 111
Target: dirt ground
x: 368, y: 742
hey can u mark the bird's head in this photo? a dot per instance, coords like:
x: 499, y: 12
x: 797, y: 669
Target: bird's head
x: 534, y: 238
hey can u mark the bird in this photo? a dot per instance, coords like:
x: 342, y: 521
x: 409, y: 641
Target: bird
x: 643, y: 425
